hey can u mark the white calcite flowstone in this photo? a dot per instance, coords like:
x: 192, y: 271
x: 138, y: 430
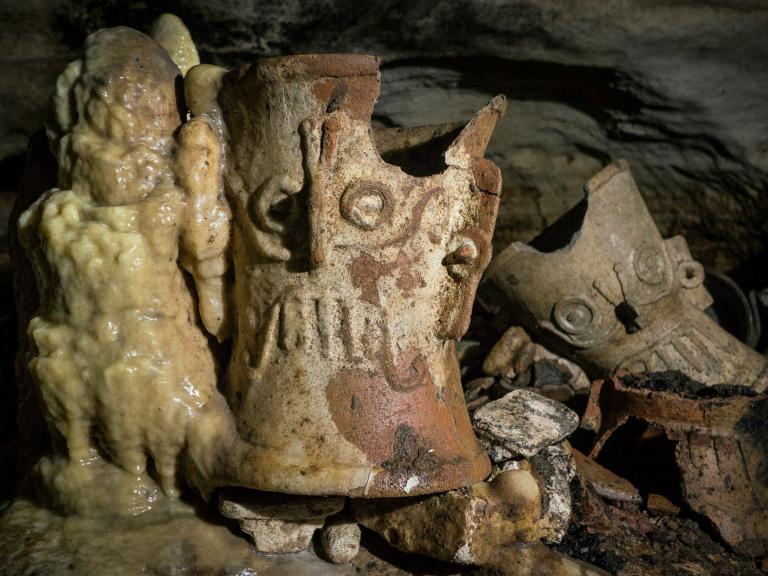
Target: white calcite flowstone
x: 171, y: 539
x: 522, y: 423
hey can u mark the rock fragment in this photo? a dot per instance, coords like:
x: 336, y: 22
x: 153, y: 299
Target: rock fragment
x: 553, y: 469
x: 276, y: 536
x: 516, y: 359
x: 519, y: 491
x: 511, y: 355
x: 522, y: 423
x: 536, y: 559
x: 278, y: 523
x: 340, y: 541
x: 465, y: 526
x: 528, y: 502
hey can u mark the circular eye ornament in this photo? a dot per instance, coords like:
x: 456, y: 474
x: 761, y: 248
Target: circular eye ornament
x: 574, y: 315
x: 366, y: 204
x: 649, y: 264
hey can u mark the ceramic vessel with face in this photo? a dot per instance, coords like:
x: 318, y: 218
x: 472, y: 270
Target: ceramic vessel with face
x: 353, y: 278
x: 604, y: 287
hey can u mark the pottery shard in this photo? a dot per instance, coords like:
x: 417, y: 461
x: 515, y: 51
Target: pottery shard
x: 607, y: 484
x: 720, y: 447
x: 278, y: 523
x: 658, y: 504
x: 522, y: 423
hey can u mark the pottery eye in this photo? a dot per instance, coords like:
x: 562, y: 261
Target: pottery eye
x: 574, y: 315
x: 366, y: 204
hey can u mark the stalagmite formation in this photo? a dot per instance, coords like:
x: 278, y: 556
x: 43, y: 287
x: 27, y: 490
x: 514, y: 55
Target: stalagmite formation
x: 122, y: 369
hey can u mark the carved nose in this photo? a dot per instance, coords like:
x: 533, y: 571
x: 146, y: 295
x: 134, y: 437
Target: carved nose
x: 460, y: 262
x: 464, y: 254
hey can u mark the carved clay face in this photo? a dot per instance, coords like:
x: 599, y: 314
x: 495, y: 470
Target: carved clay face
x: 608, y: 289
x: 352, y: 280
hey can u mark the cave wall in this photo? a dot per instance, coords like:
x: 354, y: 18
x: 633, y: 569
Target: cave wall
x: 677, y: 88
